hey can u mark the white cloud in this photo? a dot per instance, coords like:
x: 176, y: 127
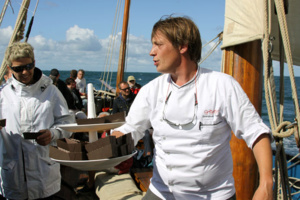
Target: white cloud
x: 76, y: 33
x: 82, y: 39
x: 5, y: 35
x: 83, y: 49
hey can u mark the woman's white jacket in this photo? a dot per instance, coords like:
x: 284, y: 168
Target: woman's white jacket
x: 27, y: 172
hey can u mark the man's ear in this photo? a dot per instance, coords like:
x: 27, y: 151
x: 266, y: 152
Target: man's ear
x: 183, y: 48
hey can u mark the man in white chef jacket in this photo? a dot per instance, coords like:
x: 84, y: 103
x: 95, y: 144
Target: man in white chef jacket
x: 192, y: 111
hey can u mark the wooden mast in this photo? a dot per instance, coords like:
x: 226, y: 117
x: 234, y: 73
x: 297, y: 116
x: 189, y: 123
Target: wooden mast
x: 245, y: 63
x: 122, y: 52
x: 18, y: 31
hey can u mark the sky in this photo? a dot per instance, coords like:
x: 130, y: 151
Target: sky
x: 77, y: 34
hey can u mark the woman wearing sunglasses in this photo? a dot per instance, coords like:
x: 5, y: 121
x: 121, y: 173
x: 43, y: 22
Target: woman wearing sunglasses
x: 30, y: 103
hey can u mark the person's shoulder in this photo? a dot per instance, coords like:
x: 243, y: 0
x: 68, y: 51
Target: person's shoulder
x: 3, y: 86
x: 214, y: 75
x: 220, y: 80
x: 158, y: 80
x: 60, y: 83
x: 117, y: 100
x: 138, y: 85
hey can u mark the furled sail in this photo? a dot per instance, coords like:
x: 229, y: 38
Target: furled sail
x: 244, y: 23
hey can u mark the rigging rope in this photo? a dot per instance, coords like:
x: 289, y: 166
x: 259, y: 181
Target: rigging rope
x: 280, y: 129
x: 4, y: 10
x: 18, y: 33
x: 107, y: 74
x: 31, y: 22
x: 220, y: 36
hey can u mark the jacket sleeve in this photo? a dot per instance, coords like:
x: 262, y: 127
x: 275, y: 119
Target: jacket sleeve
x: 241, y: 115
x: 138, y: 120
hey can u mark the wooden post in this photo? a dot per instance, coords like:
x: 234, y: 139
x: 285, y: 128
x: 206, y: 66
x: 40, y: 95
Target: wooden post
x: 245, y: 63
x: 122, y: 52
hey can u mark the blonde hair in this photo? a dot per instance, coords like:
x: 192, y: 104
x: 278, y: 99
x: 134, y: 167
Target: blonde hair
x: 180, y: 31
x: 18, y: 50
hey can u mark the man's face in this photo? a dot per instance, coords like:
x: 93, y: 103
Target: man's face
x: 26, y: 75
x: 80, y: 75
x: 72, y: 85
x: 131, y: 83
x: 125, y: 90
x: 166, y: 58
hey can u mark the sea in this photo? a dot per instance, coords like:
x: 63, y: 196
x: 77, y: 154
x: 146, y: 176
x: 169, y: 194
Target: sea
x: 144, y: 77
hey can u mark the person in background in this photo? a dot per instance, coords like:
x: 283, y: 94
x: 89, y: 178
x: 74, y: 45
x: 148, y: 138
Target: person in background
x: 73, y: 74
x: 81, y: 86
x: 134, y: 86
x: 81, y: 82
x: 124, y: 100
x: 79, y: 114
x: 29, y: 103
x: 147, y: 139
x: 192, y: 111
x: 61, y: 85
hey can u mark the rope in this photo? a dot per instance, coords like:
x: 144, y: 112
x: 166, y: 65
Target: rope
x: 220, y: 36
x: 31, y: 22
x: 3, y: 11
x: 286, y: 44
x: 280, y: 129
x: 18, y: 32
x: 107, y: 74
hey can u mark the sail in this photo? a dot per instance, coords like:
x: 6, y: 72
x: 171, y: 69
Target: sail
x: 244, y: 23
x: 292, y: 17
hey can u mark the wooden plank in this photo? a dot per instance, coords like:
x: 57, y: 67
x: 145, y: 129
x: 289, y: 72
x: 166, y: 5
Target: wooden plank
x: 142, y: 177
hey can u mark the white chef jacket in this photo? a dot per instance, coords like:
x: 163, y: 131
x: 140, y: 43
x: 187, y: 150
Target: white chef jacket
x: 26, y: 171
x: 194, y: 161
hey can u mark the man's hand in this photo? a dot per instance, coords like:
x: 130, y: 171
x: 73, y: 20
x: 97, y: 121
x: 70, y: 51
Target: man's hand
x: 264, y: 191
x: 117, y: 134
x: 45, y: 138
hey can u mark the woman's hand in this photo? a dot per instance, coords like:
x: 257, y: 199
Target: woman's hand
x: 45, y: 138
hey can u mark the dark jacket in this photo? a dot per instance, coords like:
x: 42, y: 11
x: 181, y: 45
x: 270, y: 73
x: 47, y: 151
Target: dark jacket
x: 77, y: 99
x: 66, y: 93
x: 121, y: 105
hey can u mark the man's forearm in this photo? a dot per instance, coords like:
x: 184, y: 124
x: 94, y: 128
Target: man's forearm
x: 263, y: 155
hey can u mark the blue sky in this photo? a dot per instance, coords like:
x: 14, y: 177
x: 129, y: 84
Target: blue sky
x: 76, y: 34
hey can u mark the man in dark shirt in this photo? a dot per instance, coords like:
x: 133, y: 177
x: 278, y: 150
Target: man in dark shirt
x: 54, y: 75
x: 124, y: 100
x: 71, y: 85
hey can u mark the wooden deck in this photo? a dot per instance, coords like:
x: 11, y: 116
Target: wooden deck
x: 142, y: 177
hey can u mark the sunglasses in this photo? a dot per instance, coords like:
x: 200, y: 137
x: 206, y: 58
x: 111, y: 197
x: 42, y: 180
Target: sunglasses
x: 21, y: 68
x: 179, y: 124
x: 128, y: 88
